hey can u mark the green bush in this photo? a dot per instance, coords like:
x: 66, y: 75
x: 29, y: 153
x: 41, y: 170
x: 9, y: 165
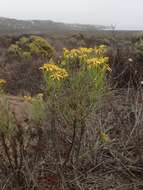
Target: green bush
x: 28, y: 48
x: 139, y: 49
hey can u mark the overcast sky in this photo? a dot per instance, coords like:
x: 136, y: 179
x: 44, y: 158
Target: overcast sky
x: 122, y: 13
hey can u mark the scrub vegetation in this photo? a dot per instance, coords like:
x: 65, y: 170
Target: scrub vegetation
x: 71, y: 115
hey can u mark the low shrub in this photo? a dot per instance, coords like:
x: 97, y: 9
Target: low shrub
x: 73, y: 90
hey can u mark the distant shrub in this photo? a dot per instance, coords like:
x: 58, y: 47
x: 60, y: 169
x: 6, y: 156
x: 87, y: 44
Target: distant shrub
x: 24, y: 59
x: 139, y: 49
x: 28, y: 48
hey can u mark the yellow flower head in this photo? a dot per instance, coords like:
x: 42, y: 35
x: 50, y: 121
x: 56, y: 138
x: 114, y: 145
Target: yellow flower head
x: 93, y: 62
x: 66, y: 52
x: 105, y: 138
x: 100, y: 49
x: 28, y: 98
x: 49, y: 67
x: 86, y: 51
x: 2, y: 82
x: 96, y: 61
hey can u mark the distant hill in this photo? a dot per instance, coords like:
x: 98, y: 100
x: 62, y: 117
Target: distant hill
x: 14, y: 26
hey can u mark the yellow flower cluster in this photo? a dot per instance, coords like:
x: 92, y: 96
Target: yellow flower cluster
x: 78, y: 53
x: 2, y: 82
x: 84, y: 52
x: 100, y: 50
x: 55, y: 72
x: 30, y: 99
x: 99, y: 61
x: 93, y: 57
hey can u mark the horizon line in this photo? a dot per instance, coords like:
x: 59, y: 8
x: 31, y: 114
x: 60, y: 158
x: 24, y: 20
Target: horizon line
x: 112, y: 26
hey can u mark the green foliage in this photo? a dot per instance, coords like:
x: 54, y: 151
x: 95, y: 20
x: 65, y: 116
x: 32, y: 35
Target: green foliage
x: 139, y: 48
x: 7, y: 122
x: 27, y: 48
x: 35, y: 109
x: 14, y: 51
x: 17, y: 139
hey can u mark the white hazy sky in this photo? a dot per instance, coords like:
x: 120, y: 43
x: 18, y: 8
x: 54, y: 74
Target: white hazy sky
x: 122, y: 13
